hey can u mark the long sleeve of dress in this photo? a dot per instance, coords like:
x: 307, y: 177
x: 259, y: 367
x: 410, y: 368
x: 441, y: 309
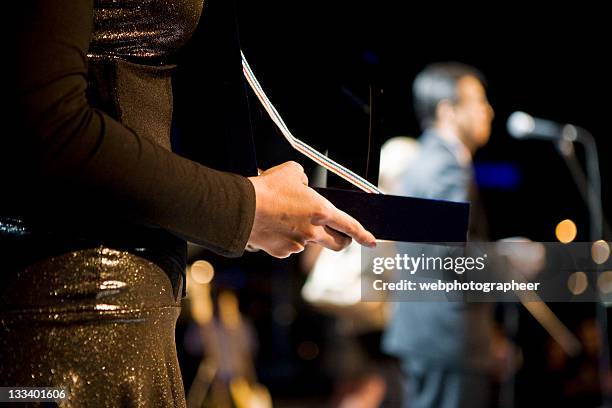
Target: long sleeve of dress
x: 65, y: 143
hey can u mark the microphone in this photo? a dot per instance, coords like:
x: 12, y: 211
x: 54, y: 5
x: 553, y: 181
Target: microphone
x: 521, y: 125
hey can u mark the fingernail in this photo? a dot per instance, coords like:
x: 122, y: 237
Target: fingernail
x: 372, y: 244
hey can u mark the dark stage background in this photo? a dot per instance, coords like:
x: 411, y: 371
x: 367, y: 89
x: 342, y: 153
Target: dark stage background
x: 317, y: 60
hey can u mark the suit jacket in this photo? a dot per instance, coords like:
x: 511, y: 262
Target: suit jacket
x: 453, y: 333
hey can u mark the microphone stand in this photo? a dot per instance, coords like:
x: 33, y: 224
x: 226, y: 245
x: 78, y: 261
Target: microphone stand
x: 589, y: 186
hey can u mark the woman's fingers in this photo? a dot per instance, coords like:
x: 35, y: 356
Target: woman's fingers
x: 344, y: 223
x: 285, y: 248
x: 332, y: 239
x: 288, y: 215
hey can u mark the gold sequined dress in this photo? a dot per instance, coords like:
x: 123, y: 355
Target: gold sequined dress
x: 96, y: 208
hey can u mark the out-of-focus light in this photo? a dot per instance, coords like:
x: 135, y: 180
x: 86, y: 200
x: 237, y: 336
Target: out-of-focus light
x: 577, y: 283
x: 604, y: 282
x: 202, y: 272
x: 498, y: 175
x: 308, y: 350
x: 566, y: 231
x: 520, y: 125
x: 600, y: 251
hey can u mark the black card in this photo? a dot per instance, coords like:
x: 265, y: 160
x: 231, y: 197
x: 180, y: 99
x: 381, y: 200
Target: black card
x: 408, y: 219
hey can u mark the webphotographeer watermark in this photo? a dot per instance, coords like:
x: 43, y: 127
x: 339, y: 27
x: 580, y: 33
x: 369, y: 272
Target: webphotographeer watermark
x: 505, y: 271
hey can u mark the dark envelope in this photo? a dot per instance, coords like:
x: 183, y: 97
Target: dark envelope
x: 408, y: 219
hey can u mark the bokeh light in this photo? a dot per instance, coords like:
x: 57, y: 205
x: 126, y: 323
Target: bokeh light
x: 202, y: 272
x: 577, y: 283
x: 566, y: 231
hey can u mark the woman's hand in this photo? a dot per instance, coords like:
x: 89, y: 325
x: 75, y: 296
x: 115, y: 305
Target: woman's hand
x: 289, y: 215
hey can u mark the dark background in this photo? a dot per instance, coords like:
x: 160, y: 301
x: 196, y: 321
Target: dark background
x: 550, y: 63
x: 317, y: 62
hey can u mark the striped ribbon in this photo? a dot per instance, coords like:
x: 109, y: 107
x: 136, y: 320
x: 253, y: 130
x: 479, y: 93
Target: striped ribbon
x: 348, y: 175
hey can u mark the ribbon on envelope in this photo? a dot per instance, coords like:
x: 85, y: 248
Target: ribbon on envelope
x: 308, y: 151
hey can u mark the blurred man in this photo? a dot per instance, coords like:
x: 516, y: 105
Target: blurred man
x: 444, y: 347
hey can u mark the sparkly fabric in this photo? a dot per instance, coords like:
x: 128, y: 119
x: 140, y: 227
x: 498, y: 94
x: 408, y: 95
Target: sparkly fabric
x: 130, y: 77
x: 143, y: 29
x: 129, y: 53
x: 98, y: 323
x: 129, y: 73
x: 139, y: 96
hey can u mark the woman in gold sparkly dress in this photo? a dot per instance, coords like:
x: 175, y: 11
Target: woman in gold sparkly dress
x: 96, y: 209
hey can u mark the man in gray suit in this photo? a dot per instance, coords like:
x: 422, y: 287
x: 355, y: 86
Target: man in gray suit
x: 444, y: 346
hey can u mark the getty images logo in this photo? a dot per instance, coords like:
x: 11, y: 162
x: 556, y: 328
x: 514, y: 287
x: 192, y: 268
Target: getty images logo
x: 413, y: 264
